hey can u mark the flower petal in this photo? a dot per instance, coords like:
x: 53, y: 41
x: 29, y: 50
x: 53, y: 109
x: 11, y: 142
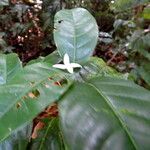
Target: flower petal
x: 70, y: 69
x: 60, y: 66
x: 75, y: 65
x: 66, y: 59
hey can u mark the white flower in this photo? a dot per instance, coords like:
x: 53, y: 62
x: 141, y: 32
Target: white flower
x: 39, y: 1
x: 67, y: 65
x: 112, y: 2
x: 127, y: 44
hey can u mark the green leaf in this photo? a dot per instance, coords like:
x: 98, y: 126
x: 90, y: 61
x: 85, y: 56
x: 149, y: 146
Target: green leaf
x: 114, y: 115
x: 146, y: 12
x: 18, y: 140
x: 140, y: 43
x: 127, y: 4
x: 76, y: 33
x: 40, y: 59
x: 4, y: 2
x: 97, y: 67
x: 3, y: 43
x: 27, y: 94
x: 52, y: 58
x: 9, y: 65
x: 144, y: 71
x: 49, y: 138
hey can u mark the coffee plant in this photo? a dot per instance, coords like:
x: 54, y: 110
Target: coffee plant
x: 70, y: 100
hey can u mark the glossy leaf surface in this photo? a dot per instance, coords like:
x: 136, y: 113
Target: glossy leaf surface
x: 52, y: 58
x: 18, y: 140
x: 114, y: 115
x: 27, y: 94
x: 9, y: 65
x: 97, y: 67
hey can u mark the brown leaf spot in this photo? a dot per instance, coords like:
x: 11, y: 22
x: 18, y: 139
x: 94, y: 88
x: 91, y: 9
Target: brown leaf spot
x: 32, y: 83
x: 24, y: 97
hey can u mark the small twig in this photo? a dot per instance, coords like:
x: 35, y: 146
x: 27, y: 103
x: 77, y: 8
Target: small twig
x: 147, y: 30
x: 110, y: 60
x: 114, y: 55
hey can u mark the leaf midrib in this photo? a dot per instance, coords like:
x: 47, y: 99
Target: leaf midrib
x: 17, y: 65
x: 74, y: 38
x: 116, y: 115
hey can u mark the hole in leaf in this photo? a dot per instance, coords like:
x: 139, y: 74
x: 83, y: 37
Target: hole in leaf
x: 31, y: 95
x: 34, y: 94
x: 63, y: 81
x: 60, y: 21
x: 50, y: 78
x: 57, y: 83
x: 18, y: 105
x: 24, y: 97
